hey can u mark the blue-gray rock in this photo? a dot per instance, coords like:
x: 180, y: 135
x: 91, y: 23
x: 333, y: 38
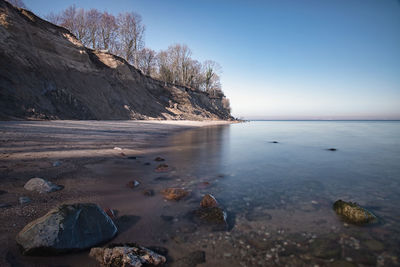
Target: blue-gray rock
x: 24, y: 200
x: 41, y: 185
x: 69, y: 227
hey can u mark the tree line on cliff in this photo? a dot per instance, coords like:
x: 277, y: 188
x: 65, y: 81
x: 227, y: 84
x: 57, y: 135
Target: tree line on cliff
x: 123, y: 35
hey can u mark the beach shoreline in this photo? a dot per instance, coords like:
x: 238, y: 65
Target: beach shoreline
x: 81, y: 156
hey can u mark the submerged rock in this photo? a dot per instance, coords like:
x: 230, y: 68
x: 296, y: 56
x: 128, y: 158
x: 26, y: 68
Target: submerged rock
x: 66, y: 228
x: 162, y: 168
x: 174, y: 193
x: 126, y: 255
x: 208, y: 201
x: 159, y: 159
x: 213, y: 215
x: 41, y: 185
x: 353, y: 213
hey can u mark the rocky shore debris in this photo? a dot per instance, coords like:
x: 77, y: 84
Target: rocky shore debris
x: 353, y: 213
x: 133, y: 184
x: 208, y: 201
x: 68, y: 227
x: 159, y: 159
x: 210, y: 212
x: 174, y: 193
x: 124, y: 255
x: 41, y: 185
x: 24, y: 200
x: 148, y: 192
x: 56, y: 163
x: 162, y: 168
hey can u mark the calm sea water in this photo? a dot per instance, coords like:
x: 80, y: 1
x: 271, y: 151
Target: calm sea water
x: 279, y: 196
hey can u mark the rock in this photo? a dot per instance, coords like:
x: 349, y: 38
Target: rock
x: 159, y: 159
x: 274, y: 142
x: 148, y: 192
x: 174, y: 193
x: 41, y: 185
x: 68, y: 227
x: 332, y: 149
x: 126, y: 255
x: 24, y: 200
x: 147, y: 163
x: 131, y: 157
x: 353, y: 213
x: 56, y: 163
x: 193, y: 259
x: 133, y: 184
x: 162, y: 168
x: 208, y: 201
x: 4, y: 205
x: 117, y: 148
x: 110, y: 213
x: 213, y: 215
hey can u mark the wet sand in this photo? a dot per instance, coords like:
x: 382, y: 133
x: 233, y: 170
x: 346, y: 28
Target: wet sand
x: 91, y: 170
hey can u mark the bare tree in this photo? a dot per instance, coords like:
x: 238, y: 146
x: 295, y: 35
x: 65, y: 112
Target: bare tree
x: 131, y: 36
x: 93, y: 18
x: 164, y: 67
x: 211, y: 71
x: 54, y: 18
x: 147, y: 61
x: 17, y: 3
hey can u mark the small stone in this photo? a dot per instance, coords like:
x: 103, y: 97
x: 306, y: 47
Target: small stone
x: 41, y: 185
x: 117, y: 148
x: 208, y: 201
x: 274, y: 142
x: 148, y: 192
x: 162, y: 168
x: 24, y: 200
x: 133, y: 184
x: 4, y: 205
x: 332, y: 149
x: 174, y: 193
x: 147, y: 163
x: 56, y: 163
x: 214, y: 215
x: 159, y: 159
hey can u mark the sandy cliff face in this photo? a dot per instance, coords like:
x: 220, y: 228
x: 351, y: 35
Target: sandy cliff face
x: 46, y: 73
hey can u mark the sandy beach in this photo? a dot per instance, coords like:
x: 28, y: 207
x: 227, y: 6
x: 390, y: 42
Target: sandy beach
x: 93, y: 160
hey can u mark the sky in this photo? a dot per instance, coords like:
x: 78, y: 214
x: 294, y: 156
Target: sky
x: 282, y: 59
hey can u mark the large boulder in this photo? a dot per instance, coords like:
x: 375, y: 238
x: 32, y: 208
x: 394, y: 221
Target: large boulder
x: 126, y: 255
x: 41, y: 185
x: 353, y: 213
x: 68, y: 227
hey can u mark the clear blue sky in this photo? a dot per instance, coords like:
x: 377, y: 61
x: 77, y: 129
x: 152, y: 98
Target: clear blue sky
x: 282, y: 59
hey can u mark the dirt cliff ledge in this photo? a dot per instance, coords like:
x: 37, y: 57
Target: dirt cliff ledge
x: 46, y: 73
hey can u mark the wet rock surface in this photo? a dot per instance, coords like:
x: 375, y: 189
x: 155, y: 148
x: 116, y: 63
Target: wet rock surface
x: 162, y: 168
x: 174, y: 193
x: 126, y: 255
x: 208, y: 201
x: 353, y: 213
x: 41, y: 185
x: 68, y: 227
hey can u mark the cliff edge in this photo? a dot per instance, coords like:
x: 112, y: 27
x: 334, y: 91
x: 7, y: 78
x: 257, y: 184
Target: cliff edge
x: 46, y: 73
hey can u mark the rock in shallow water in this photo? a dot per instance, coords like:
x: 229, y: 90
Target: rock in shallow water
x: 208, y: 201
x: 41, y: 185
x: 214, y: 215
x: 353, y: 213
x: 174, y: 193
x: 128, y: 255
x: 66, y: 228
